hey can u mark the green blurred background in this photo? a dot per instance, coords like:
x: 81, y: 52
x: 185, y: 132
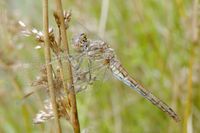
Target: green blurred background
x: 156, y: 40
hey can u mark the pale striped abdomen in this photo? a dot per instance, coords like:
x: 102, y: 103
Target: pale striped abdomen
x: 120, y: 73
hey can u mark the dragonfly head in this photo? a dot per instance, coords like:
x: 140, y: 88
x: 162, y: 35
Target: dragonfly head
x: 80, y: 42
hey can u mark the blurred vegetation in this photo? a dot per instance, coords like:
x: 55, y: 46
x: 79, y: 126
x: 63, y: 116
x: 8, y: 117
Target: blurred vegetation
x: 157, y: 41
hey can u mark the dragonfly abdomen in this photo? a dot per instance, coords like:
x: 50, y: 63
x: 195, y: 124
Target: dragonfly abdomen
x: 121, y: 74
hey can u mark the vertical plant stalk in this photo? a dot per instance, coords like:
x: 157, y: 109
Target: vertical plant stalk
x: 195, y: 28
x: 188, y: 105
x: 71, y: 95
x: 61, y: 66
x: 104, y: 16
x: 48, y: 66
x: 194, y: 41
x: 180, y: 7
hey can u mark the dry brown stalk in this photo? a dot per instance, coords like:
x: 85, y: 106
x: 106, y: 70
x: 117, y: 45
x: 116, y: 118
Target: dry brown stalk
x: 48, y: 66
x: 71, y: 94
x: 59, y: 59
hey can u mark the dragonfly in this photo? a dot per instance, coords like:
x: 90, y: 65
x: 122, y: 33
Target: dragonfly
x: 100, y: 51
x: 97, y: 52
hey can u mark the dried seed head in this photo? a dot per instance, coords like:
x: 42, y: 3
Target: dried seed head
x: 37, y: 47
x: 47, y: 112
x: 21, y: 24
x: 67, y: 17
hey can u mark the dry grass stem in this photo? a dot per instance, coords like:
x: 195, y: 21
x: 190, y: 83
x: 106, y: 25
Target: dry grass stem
x: 48, y: 66
x: 71, y: 95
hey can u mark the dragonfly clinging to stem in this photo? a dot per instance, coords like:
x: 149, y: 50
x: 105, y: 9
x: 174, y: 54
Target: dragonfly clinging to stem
x: 97, y: 50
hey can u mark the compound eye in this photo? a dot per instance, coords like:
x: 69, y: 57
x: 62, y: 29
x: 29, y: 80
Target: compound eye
x: 83, y: 37
x: 83, y: 40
